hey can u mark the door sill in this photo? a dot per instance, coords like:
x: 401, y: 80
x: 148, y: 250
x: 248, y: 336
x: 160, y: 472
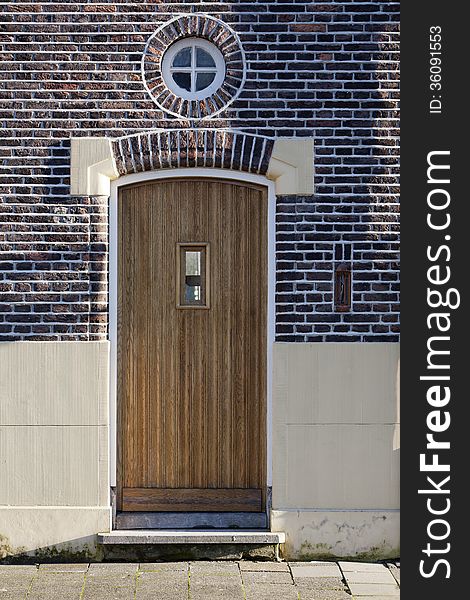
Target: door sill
x: 150, y: 545
x: 192, y: 520
x: 148, y: 537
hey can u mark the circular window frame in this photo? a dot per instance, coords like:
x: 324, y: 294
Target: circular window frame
x: 168, y: 69
x: 207, y: 29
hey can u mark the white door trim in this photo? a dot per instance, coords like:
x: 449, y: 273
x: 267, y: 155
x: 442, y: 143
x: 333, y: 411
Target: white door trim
x: 113, y: 289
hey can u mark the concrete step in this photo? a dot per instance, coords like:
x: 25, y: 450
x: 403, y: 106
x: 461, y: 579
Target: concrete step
x: 158, y: 545
x: 152, y: 536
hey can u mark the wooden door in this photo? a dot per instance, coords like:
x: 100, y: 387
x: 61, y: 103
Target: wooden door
x: 192, y: 368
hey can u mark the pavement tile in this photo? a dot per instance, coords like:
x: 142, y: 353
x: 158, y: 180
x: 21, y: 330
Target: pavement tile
x: 13, y: 589
x: 324, y: 595
x: 217, y: 580
x: 126, y: 581
x: 163, y: 575
x: 222, y: 591
x: 158, y: 577
x: 271, y: 577
x: 266, y: 591
x: 116, y: 579
x: 18, y: 577
x: 154, y: 586
x: 46, y: 578
x: 119, y: 587
x: 376, y: 597
x: 18, y: 569
x: 322, y: 570
x: 214, y: 574
x: 161, y: 594
x: 15, y: 584
x: 360, y: 567
x: 263, y: 566
x: 164, y: 566
x: 43, y: 588
x: 311, y: 563
x: 112, y: 568
x: 395, y: 571
x: 374, y: 589
x: 110, y: 581
x: 105, y: 593
x: 63, y: 568
x: 320, y: 583
x: 214, y: 567
x: 383, y: 576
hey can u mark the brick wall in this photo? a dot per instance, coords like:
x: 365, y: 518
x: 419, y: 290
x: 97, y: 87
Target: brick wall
x: 327, y: 70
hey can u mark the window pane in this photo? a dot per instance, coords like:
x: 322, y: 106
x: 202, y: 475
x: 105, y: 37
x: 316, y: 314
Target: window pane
x: 183, y: 80
x: 192, y: 279
x: 183, y: 58
x: 192, y: 292
x: 204, y: 59
x: 204, y: 80
x: 192, y: 285
x: 193, y: 262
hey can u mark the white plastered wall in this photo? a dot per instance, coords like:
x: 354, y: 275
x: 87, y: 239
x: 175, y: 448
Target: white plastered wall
x: 336, y: 449
x: 54, y: 489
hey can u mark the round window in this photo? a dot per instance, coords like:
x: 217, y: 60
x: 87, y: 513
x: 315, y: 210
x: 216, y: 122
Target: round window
x: 193, y: 68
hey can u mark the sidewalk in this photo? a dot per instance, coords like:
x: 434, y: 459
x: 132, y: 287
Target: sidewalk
x: 201, y: 581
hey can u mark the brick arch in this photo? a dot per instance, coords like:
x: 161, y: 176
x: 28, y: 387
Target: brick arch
x: 192, y: 148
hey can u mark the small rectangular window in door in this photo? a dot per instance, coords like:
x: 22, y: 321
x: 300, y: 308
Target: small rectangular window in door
x: 192, y: 275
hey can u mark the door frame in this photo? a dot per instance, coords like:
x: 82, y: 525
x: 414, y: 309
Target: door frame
x: 210, y: 173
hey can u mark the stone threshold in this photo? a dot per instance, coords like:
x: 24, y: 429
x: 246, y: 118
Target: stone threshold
x: 142, y: 536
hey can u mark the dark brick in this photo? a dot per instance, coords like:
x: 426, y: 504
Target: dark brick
x: 325, y: 70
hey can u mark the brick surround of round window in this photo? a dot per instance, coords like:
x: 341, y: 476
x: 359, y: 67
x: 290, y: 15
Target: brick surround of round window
x: 193, y: 26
